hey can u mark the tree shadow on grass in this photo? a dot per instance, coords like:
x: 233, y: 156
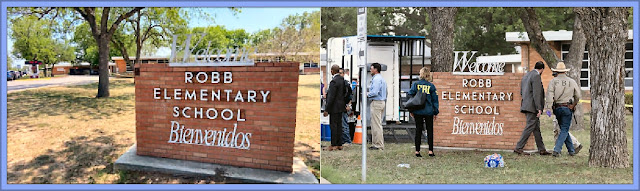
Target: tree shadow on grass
x: 80, y: 158
x: 310, y: 154
x: 55, y: 102
x: 140, y: 177
x: 112, y: 84
x: 89, y: 160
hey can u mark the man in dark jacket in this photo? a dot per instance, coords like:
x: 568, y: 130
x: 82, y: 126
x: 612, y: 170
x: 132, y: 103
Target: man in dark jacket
x: 532, y: 105
x: 335, y: 107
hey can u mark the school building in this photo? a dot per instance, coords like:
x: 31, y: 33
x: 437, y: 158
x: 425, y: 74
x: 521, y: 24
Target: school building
x: 560, y: 41
x: 308, y: 65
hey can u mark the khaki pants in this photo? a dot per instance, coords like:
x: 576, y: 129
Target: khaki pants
x: 377, y: 108
x: 556, y: 132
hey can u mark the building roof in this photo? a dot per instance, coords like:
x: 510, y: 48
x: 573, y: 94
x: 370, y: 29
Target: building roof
x: 390, y: 37
x: 142, y: 57
x: 63, y: 64
x: 220, y: 56
x: 561, y: 35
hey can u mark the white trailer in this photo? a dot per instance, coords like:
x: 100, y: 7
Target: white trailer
x: 386, y: 50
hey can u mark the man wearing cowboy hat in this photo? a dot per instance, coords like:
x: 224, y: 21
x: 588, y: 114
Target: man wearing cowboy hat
x: 564, y: 95
x: 556, y: 128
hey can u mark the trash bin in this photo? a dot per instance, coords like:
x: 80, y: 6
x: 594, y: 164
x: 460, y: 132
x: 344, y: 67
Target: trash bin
x: 325, y: 130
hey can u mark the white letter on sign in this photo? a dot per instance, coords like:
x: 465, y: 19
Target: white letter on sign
x: 174, y: 131
x: 228, y: 77
x: 187, y: 77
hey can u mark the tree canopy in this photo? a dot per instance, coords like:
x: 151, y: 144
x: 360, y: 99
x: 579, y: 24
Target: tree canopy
x: 476, y: 28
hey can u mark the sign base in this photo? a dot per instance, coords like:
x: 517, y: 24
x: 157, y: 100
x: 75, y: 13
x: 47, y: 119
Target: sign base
x: 131, y: 161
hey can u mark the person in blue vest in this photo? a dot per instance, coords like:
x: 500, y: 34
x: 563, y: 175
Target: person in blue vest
x: 424, y: 117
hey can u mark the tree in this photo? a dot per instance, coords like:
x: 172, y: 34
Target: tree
x: 32, y: 39
x: 574, y: 62
x: 238, y: 38
x: 124, y: 43
x: 9, y: 62
x: 442, y: 23
x: 482, y: 29
x: 297, y: 33
x: 537, y: 40
x: 341, y: 22
x: 574, y: 57
x: 606, y: 27
x: 102, y: 33
x: 62, y: 51
x: 156, y: 24
x: 217, y: 35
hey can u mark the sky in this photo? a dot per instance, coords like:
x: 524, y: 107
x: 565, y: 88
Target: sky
x: 250, y: 19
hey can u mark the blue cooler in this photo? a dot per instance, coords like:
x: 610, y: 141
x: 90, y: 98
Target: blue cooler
x: 325, y: 130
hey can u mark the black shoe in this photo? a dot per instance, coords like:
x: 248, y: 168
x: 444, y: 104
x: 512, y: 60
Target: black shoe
x: 374, y: 148
x: 418, y: 155
x: 520, y: 152
x: 578, y: 149
x: 572, y: 154
x: 432, y: 155
x: 555, y: 154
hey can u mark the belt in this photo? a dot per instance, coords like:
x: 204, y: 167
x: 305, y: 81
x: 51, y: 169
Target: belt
x: 562, y: 105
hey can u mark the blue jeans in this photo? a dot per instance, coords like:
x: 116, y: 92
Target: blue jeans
x: 345, y: 129
x: 563, y: 114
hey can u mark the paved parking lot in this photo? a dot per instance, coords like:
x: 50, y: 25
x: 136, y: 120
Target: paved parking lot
x: 57, y: 81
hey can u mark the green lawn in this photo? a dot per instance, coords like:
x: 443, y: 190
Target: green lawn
x: 466, y: 167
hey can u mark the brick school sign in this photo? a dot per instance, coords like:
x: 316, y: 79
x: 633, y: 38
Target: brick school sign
x: 233, y: 115
x: 479, y: 109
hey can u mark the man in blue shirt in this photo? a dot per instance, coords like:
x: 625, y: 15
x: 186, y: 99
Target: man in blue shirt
x: 377, y: 94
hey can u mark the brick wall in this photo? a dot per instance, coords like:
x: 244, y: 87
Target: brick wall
x: 416, y: 69
x: 121, y: 65
x: 311, y: 70
x: 60, y: 70
x: 271, y: 124
x: 509, y: 112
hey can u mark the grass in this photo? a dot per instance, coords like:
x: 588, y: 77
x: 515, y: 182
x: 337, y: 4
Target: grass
x: 307, y: 145
x: 65, y: 135
x: 466, y: 167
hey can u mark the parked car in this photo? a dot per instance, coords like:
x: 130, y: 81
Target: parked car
x: 15, y: 75
x: 9, y: 76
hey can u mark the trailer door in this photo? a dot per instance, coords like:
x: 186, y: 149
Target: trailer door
x: 388, y: 55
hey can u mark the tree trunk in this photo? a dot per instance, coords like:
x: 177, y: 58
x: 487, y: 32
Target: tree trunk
x: 123, y: 50
x: 442, y: 26
x: 606, y: 29
x: 103, y: 66
x: 538, y: 42
x: 573, y: 61
x: 138, y: 38
x: 44, y: 71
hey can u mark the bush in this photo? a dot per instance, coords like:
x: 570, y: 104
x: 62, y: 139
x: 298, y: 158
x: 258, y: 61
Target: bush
x: 628, y: 99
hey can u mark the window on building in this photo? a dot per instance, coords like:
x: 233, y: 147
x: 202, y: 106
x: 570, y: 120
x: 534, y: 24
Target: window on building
x: 130, y: 65
x: 584, y: 70
x: 628, y: 66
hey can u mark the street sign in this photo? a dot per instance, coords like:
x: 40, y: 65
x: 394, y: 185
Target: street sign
x: 362, y: 52
x: 362, y: 34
